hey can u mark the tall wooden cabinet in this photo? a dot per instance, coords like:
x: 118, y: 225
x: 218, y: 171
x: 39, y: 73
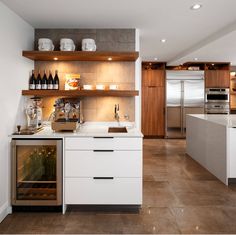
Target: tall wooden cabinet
x: 153, y: 99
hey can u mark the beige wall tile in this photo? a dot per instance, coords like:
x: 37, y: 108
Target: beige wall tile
x: 89, y: 103
x: 106, y: 73
x: 89, y: 115
x: 47, y: 107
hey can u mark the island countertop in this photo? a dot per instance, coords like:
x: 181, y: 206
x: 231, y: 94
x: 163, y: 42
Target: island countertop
x: 222, y: 119
x: 88, y: 129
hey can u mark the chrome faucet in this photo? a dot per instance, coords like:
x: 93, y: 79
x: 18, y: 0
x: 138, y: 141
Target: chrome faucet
x: 117, y: 108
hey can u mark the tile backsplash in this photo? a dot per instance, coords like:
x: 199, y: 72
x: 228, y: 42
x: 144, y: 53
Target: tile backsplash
x: 106, y: 73
x: 106, y: 39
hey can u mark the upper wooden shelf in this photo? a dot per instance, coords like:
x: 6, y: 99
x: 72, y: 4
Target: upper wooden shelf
x: 78, y: 93
x: 81, y: 55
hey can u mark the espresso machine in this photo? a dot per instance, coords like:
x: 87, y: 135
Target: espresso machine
x: 67, y: 115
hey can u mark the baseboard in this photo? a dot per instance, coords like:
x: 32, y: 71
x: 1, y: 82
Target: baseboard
x: 4, y: 211
x: 9, y: 210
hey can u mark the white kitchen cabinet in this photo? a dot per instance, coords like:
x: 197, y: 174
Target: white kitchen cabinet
x: 116, y: 163
x: 101, y: 143
x: 103, y: 171
x: 119, y: 191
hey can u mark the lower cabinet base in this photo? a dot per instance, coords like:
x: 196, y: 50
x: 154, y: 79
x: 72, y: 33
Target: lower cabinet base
x: 105, y: 208
x: 36, y: 208
x: 115, y: 191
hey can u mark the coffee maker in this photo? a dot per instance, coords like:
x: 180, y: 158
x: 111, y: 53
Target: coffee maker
x: 34, y: 114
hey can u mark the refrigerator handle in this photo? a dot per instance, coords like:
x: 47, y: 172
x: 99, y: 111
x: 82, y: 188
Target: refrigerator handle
x: 182, y: 108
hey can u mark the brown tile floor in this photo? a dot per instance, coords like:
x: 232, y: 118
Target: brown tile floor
x: 179, y: 197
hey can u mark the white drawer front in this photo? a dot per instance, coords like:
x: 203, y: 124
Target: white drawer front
x: 120, y: 191
x: 90, y: 143
x: 92, y: 164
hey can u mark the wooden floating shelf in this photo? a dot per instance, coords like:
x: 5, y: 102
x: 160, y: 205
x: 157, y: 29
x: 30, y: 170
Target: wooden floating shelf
x: 80, y: 93
x: 81, y: 55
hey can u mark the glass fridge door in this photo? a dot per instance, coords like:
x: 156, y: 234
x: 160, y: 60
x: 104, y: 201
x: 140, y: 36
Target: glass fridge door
x: 36, y: 170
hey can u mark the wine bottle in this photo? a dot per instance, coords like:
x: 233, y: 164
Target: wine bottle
x: 56, y: 81
x: 50, y: 81
x: 32, y: 81
x: 38, y: 82
x: 45, y: 81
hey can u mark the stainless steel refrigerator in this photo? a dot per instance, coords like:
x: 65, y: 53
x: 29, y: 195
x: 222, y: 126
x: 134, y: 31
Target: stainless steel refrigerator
x: 184, y: 95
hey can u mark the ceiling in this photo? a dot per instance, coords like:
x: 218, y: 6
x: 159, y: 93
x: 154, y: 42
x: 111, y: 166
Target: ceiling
x: 208, y: 33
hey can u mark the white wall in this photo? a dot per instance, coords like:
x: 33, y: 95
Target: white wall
x: 138, y: 86
x: 15, y: 35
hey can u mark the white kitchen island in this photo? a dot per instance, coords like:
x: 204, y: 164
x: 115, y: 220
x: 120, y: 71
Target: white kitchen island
x: 211, y: 141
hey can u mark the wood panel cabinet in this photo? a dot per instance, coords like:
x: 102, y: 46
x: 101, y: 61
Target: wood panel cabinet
x: 153, y: 111
x: 153, y: 77
x: 153, y: 99
x: 217, y: 78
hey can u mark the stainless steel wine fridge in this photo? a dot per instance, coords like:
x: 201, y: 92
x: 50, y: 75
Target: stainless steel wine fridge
x: 37, y: 172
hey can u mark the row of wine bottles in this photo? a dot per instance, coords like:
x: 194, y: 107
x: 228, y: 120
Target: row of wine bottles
x: 44, y: 83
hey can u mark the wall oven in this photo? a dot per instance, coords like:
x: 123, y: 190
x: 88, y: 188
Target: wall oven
x: 217, y: 101
x: 37, y: 172
x: 217, y: 95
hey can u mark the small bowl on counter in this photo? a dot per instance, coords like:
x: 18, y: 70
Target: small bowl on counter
x: 100, y: 87
x: 88, y: 87
x: 113, y: 87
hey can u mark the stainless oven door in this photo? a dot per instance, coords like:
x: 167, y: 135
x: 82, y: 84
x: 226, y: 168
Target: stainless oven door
x: 217, y: 97
x: 217, y: 108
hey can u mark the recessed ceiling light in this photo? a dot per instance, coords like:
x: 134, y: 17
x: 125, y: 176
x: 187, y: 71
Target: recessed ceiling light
x: 110, y: 58
x: 55, y: 58
x: 155, y: 58
x: 163, y: 40
x: 195, y: 58
x: 196, y: 6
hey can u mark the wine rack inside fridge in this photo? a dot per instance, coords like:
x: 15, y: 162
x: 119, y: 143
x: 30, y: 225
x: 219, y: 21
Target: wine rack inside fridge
x: 36, y: 172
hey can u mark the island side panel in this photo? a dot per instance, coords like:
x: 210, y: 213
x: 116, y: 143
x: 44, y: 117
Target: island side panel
x: 232, y: 152
x: 206, y: 143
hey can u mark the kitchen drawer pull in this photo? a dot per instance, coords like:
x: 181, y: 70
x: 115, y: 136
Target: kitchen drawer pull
x: 103, y: 178
x: 103, y: 137
x: 98, y: 150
